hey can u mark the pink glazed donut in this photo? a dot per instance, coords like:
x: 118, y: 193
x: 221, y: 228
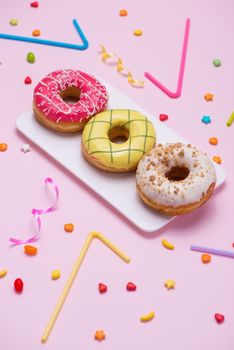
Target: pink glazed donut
x: 66, y: 99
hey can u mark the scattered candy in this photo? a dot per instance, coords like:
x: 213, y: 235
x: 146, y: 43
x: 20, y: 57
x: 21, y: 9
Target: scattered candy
x: 123, y: 13
x: 99, y: 335
x: 31, y: 57
x: 206, y: 258
x: 25, y: 148
x: 230, y: 120
x: 208, y: 97
x: 102, y: 288
x: 213, y: 141
x: 131, y: 287
x: 3, y: 273
x: 19, y: 285
x: 216, y: 62
x: 55, y: 274
x: 169, y: 284
x: 138, y: 32
x: 30, y: 250
x: 34, y: 4
x: 27, y: 80
x: 36, y: 32
x: 148, y: 317
x: 206, y: 119
x: 14, y: 22
x: 219, y: 318
x: 68, y: 227
x: 120, y: 67
x: 163, y: 117
x: 3, y: 147
x: 167, y: 244
x: 217, y: 159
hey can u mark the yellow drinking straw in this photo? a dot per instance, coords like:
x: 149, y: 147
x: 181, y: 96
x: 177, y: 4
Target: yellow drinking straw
x: 73, y: 274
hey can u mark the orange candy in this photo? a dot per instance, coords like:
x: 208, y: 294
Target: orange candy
x: 217, y: 159
x: 68, y: 227
x: 206, y: 258
x: 36, y: 32
x: 213, y: 141
x: 123, y: 13
x: 3, y: 147
x: 30, y: 250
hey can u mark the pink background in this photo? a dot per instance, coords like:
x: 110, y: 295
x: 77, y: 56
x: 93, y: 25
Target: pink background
x: 184, y: 316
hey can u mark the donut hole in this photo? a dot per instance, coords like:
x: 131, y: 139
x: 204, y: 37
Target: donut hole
x: 118, y: 134
x: 70, y: 95
x: 177, y: 173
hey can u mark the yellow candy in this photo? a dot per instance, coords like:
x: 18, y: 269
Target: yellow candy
x: 3, y: 273
x: 138, y: 32
x: 148, y: 317
x: 167, y: 244
x: 55, y: 274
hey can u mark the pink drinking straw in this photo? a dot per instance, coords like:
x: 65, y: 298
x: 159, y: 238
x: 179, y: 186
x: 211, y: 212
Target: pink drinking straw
x: 156, y: 82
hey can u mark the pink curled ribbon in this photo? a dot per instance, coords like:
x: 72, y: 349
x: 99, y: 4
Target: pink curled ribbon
x: 37, y: 213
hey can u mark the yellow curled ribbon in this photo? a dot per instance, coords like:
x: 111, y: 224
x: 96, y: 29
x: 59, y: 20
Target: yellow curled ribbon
x: 120, y: 67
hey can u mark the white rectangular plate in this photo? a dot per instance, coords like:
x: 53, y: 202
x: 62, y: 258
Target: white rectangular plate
x: 117, y: 189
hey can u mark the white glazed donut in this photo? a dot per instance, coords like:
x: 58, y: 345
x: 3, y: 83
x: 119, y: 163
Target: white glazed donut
x: 175, y: 178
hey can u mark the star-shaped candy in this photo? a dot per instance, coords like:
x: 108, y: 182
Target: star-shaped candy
x: 169, y: 284
x: 25, y: 148
x: 14, y: 22
x: 206, y: 119
x: 99, y: 335
x: 208, y: 97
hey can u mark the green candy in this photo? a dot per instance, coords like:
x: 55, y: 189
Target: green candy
x: 31, y: 57
x: 217, y: 63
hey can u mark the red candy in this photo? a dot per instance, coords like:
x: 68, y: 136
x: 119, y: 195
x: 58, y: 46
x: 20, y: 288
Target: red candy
x: 34, y: 4
x: 18, y: 284
x: 131, y: 287
x: 102, y: 288
x: 163, y: 117
x: 219, y: 318
x: 27, y: 80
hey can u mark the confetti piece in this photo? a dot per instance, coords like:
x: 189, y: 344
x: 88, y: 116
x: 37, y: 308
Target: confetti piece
x: 36, y: 32
x: 230, y: 120
x: 167, y: 244
x: 208, y: 97
x: 206, y: 119
x: 217, y: 159
x: 68, y: 227
x: 3, y: 273
x: 163, y: 117
x: 31, y: 57
x: 30, y: 250
x: 169, y: 284
x: 216, y: 62
x: 19, y: 285
x: 27, y: 80
x: 25, y: 148
x: 34, y: 4
x: 3, y: 147
x: 120, y: 67
x: 123, y: 13
x: 14, y: 22
x: 55, y: 275
x: 131, y: 287
x: 99, y: 335
x: 138, y: 32
x: 213, y: 141
x: 102, y: 288
x: 206, y: 258
x: 219, y: 318
x: 148, y: 317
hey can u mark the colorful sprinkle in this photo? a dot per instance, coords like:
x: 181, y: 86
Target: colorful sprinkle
x: 30, y: 250
x: 31, y: 57
x: 123, y: 13
x: 213, y: 141
x: 25, y: 148
x: 19, y: 285
x: 206, y: 119
x: 219, y: 318
x: 163, y: 117
x: 216, y: 62
x: 169, y: 284
x: 34, y: 4
x: 102, y: 288
x: 27, y: 81
x: 14, y: 22
x: 99, y: 335
x: 230, y: 120
x: 167, y: 244
x: 217, y: 159
x: 148, y: 317
x: 68, y: 227
x: 208, y: 97
x: 131, y: 287
x: 55, y: 275
x: 206, y: 258
x: 36, y: 32
x: 138, y: 32
x: 3, y: 147
x: 3, y: 273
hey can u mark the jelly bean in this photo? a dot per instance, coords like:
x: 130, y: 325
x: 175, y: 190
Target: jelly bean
x: 27, y: 80
x: 138, y: 32
x: 31, y: 57
x: 30, y: 250
x: 206, y: 119
x: 3, y: 273
x: 167, y: 244
x: 34, y: 4
x: 163, y: 117
x: 148, y: 317
x: 36, y: 32
x: 68, y: 227
x: 219, y: 318
x: 18, y: 284
x: 216, y: 62
x: 100, y: 335
x: 3, y: 147
x: 217, y: 159
x: 123, y: 13
x: 206, y: 258
x: 131, y: 287
x: 169, y: 284
x: 213, y: 141
x: 55, y: 274
x: 102, y: 288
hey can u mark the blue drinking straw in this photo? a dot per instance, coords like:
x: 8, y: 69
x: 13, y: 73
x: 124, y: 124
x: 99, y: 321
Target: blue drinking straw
x: 84, y: 46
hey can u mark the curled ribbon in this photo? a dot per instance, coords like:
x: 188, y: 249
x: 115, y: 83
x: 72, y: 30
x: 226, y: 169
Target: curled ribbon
x: 120, y: 67
x: 36, y: 215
